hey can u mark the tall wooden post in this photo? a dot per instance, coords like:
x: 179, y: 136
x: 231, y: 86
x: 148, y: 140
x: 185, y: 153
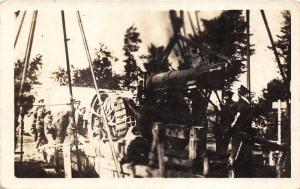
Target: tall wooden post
x: 70, y: 91
x: 279, y: 105
x: 26, y: 60
x: 248, y: 49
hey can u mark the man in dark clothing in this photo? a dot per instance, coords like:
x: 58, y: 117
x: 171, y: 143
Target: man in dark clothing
x: 241, y: 156
x: 227, y: 115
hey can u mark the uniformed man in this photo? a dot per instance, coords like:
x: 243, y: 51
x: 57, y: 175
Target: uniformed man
x: 38, y: 125
x: 241, y: 155
x: 50, y: 130
x: 71, y: 127
x: 50, y: 134
x: 227, y: 115
x: 33, y: 112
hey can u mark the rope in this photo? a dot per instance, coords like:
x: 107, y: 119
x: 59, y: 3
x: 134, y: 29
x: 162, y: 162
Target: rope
x: 97, y: 92
x: 62, y: 104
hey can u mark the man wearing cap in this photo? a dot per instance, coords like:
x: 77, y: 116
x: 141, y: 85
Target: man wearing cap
x: 240, y: 157
x: 34, y: 113
x: 50, y: 134
x: 37, y: 127
x: 227, y: 115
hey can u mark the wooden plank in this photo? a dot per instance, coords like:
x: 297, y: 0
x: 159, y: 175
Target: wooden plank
x: 67, y: 161
x: 161, y: 161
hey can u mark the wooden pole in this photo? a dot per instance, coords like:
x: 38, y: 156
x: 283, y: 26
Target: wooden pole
x: 273, y: 46
x: 19, y: 30
x: 67, y: 161
x: 28, y: 50
x: 197, y: 19
x: 26, y: 59
x: 191, y: 22
x: 279, y: 122
x: 105, y: 122
x: 71, y: 92
x: 248, y: 50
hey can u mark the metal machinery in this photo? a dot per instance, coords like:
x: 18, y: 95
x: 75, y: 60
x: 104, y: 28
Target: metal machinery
x: 165, y: 136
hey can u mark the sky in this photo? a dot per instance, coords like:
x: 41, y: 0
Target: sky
x: 109, y: 26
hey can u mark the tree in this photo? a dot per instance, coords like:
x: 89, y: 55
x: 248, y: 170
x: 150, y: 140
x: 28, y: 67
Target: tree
x: 283, y: 45
x: 32, y: 74
x: 60, y: 76
x: 151, y: 63
x: 102, y: 66
x: 226, y: 36
x: 279, y: 89
x: 131, y: 42
x: 26, y: 99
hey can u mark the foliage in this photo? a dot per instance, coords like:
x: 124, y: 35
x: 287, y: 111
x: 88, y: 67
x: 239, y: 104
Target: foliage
x: 151, y: 63
x: 60, y: 76
x: 277, y: 88
x: 102, y: 66
x: 226, y: 36
x: 131, y: 42
x: 32, y: 74
x: 283, y: 45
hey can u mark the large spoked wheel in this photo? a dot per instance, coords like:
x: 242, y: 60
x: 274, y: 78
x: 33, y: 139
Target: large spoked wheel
x: 114, y: 112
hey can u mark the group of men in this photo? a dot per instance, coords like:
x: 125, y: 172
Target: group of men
x: 47, y: 132
x: 235, y: 117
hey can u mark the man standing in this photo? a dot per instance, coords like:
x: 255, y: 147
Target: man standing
x: 38, y: 125
x: 241, y: 156
x: 227, y: 115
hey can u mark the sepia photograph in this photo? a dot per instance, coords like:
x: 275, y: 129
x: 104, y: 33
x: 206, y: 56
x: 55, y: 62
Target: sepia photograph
x: 170, y: 93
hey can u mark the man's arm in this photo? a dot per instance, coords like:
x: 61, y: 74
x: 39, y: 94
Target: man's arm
x: 235, y: 119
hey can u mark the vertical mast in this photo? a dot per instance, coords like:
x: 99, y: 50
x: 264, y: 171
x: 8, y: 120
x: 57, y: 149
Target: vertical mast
x: 70, y: 91
x: 248, y: 50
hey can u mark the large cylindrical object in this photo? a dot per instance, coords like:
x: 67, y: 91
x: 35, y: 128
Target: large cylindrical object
x: 181, y: 77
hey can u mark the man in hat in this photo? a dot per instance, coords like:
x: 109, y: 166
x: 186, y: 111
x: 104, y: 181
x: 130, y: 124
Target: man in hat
x: 241, y: 154
x: 50, y: 134
x: 37, y: 127
x: 227, y: 115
